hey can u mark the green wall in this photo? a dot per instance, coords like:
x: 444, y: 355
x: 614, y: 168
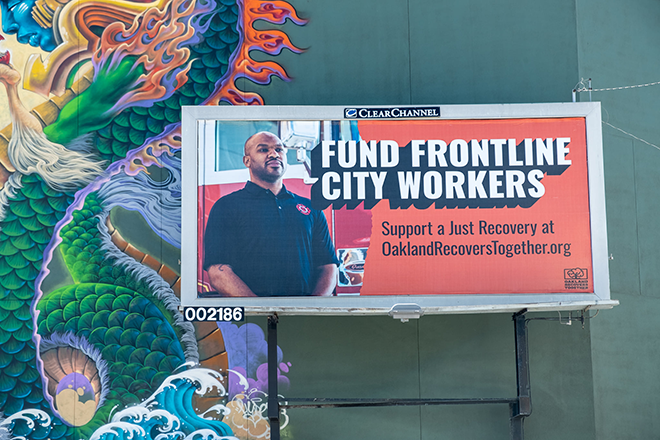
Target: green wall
x: 617, y: 43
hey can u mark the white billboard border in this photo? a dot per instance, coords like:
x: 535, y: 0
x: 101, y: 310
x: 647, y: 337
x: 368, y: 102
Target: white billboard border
x: 382, y: 305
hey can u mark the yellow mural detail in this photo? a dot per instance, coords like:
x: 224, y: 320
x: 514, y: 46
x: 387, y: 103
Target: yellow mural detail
x: 72, y: 409
x: 245, y: 421
x: 48, y: 74
x: 247, y: 418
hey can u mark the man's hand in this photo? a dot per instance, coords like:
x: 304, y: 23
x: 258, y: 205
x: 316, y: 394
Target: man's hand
x: 326, y: 281
x: 225, y: 281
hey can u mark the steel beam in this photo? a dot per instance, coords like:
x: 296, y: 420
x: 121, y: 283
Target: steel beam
x: 523, y: 406
x: 273, y: 401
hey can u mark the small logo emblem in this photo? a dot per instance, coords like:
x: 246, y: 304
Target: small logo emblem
x: 575, y: 274
x: 576, y: 278
x: 303, y: 209
x: 350, y: 113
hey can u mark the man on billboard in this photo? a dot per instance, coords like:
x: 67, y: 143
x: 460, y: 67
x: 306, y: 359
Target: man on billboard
x: 264, y: 240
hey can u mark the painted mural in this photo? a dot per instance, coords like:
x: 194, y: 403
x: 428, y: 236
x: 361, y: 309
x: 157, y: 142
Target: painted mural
x: 92, y: 345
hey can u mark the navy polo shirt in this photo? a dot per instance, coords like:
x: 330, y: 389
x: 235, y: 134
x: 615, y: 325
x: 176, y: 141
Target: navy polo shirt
x: 274, y: 243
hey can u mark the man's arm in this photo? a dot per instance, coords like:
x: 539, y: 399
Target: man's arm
x: 326, y: 281
x: 225, y: 281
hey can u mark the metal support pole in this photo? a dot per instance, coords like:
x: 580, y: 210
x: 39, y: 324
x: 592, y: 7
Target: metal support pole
x: 523, y: 405
x: 273, y: 401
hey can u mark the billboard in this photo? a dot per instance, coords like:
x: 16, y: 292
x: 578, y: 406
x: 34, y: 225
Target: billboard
x: 357, y: 209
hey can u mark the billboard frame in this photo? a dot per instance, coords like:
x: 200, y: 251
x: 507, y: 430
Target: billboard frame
x: 383, y: 305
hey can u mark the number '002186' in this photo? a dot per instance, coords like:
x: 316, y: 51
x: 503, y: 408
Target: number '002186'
x: 213, y: 314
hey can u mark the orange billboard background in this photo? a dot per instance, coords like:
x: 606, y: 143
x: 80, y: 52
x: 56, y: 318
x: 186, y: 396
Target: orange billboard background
x: 560, y: 216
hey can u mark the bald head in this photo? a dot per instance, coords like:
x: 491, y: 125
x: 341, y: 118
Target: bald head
x: 255, y: 138
x: 265, y: 158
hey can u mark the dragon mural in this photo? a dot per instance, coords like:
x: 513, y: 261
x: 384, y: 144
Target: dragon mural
x: 92, y: 345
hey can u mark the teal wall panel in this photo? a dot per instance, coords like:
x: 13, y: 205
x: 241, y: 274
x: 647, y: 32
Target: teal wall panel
x: 352, y: 357
x: 492, y: 52
x: 647, y: 179
x: 617, y: 48
x: 467, y: 356
x: 621, y: 201
x: 481, y: 422
x: 562, y: 389
x: 626, y: 353
x: 377, y: 423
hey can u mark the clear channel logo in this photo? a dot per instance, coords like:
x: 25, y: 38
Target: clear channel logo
x: 391, y: 113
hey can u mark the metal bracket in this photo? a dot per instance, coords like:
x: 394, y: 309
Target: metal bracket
x: 406, y: 312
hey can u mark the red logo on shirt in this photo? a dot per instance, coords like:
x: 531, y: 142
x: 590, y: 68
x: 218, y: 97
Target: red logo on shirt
x: 303, y: 209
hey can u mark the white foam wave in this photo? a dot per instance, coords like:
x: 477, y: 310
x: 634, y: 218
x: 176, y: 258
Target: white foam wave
x: 242, y: 380
x: 204, y: 379
x: 120, y: 430
x: 139, y: 414
x: 30, y: 416
x: 220, y: 409
x: 138, y: 422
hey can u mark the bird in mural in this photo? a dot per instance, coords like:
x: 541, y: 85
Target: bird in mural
x: 87, y: 358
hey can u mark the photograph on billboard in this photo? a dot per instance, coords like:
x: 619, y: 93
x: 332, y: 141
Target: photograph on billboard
x: 370, y: 207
